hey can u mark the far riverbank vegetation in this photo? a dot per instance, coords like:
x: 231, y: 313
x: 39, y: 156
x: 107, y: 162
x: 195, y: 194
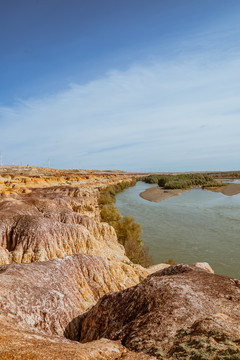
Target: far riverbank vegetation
x: 127, y: 229
x: 226, y: 175
x: 183, y: 181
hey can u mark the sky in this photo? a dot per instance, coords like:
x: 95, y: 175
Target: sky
x: 135, y: 85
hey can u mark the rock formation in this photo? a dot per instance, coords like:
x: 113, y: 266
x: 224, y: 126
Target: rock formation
x: 19, y: 343
x: 64, y: 277
x: 182, y: 312
x: 45, y: 298
x: 49, y: 295
x: 55, y: 222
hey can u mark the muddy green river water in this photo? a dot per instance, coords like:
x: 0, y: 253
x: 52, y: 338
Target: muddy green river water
x: 193, y: 227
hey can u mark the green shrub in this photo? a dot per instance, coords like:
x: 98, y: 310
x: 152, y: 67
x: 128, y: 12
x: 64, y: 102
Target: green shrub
x: 128, y: 230
x: 151, y: 179
x: 171, y: 262
x: 110, y: 214
x: 105, y: 199
x: 186, y: 181
x: 182, y: 181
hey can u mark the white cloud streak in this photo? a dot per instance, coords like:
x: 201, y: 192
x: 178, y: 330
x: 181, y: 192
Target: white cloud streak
x: 162, y: 116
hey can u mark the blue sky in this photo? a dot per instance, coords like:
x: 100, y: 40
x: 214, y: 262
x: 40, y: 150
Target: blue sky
x: 139, y: 85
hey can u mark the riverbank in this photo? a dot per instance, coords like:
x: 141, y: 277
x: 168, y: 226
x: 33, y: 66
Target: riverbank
x: 157, y: 194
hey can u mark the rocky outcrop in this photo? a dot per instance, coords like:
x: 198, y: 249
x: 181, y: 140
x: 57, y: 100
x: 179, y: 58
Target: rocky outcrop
x: 51, y: 295
x: 18, y: 179
x: 182, y: 312
x: 19, y: 343
x: 55, y: 222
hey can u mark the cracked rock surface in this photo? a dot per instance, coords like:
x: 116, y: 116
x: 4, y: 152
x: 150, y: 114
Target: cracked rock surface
x: 50, y: 295
x: 177, y: 312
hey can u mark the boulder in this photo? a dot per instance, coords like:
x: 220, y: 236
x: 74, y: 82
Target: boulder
x: 179, y: 312
x: 50, y: 295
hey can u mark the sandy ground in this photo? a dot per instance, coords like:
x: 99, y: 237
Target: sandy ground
x: 157, y: 194
x: 231, y: 189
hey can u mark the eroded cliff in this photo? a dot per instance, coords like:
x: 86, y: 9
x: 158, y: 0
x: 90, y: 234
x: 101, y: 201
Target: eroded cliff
x: 65, y: 277
x: 54, y: 222
x: 45, y: 298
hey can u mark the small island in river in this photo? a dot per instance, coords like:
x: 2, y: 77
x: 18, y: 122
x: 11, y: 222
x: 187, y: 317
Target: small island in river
x: 172, y: 185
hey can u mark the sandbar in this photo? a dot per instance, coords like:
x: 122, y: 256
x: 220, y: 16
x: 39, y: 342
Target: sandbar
x: 231, y: 189
x: 156, y: 194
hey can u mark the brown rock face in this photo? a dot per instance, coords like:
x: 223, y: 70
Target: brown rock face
x: 51, y: 295
x: 181, y: 312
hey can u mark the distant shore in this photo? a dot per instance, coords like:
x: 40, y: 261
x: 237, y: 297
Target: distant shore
x: 157, y: 194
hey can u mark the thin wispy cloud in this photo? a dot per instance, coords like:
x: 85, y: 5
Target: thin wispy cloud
x: 163, y: 115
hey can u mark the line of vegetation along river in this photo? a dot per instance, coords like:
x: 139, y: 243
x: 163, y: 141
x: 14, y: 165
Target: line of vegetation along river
x: 127, y: 229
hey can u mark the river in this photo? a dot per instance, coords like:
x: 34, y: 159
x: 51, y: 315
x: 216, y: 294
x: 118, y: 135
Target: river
x: 195, y: 226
